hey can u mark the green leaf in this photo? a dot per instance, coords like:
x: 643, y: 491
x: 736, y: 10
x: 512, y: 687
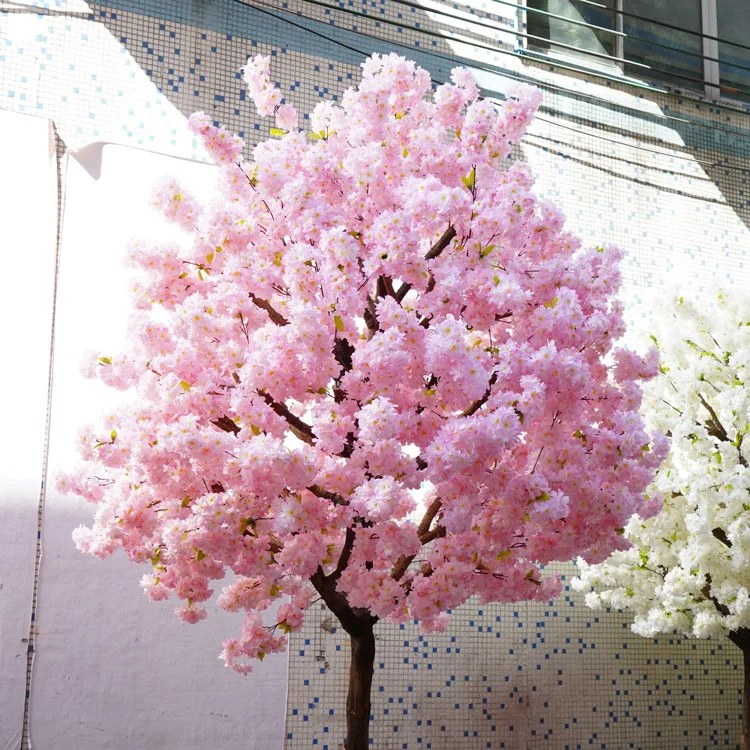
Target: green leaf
x: 487, y: 250
x: 105, y: 360
x: 200, y: 554
x: 277, y: 132
x: 184, y: 385
x: 551, y: 304
x: 339, y: 322
x: 113, y: 435
x: 470, y: 179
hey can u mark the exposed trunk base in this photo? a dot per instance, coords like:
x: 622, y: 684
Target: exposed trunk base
x: 360, y: 683
x: 358, y: 623
x: 741, y: 638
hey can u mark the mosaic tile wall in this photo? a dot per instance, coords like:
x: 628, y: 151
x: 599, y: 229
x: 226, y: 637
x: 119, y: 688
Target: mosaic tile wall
x: 522, y: 677
x: 664, y: 176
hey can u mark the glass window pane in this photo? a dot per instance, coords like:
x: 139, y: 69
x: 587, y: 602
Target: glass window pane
x: 569, y: 24
x: 734, y: 26
x: 671, y: 56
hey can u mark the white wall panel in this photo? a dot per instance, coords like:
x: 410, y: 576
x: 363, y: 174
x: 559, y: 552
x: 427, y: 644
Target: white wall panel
x: 28, y: 206
x: 114, y: 670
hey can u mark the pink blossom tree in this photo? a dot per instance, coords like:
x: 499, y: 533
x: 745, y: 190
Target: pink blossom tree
x: 374, y: 373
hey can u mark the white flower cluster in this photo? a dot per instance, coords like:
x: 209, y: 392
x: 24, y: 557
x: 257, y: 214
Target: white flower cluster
x: 689, y: 567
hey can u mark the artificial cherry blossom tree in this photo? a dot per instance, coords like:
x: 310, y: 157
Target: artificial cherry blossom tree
x: 689, y: 567
x: 373, y: 374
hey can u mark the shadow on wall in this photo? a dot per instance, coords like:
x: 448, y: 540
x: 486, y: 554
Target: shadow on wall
x: 724, y: 155
x: 192, y: 51
x: 155, y: 63
x: 674, y: 152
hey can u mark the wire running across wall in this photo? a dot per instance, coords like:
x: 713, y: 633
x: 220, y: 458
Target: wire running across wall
x: 556, y: 64
x: 690, y: 159
x: 661, y: 173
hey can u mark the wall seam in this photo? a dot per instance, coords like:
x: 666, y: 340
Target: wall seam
x: 58, y: 148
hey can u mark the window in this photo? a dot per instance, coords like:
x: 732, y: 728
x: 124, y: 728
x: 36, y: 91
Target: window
x: 573, y: 28
x: 733, y: 24
x: 701, y: 45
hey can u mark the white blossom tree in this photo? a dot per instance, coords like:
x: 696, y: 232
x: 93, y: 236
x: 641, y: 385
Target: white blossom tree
x: 688, y: 569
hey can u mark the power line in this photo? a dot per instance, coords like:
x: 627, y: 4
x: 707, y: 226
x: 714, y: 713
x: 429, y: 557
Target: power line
x: 672, y: 155
x: 620, y: 80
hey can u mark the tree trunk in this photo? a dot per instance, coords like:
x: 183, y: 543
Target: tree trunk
x: 358, y: 623
x: 741, y: 638
x: 360, y: 682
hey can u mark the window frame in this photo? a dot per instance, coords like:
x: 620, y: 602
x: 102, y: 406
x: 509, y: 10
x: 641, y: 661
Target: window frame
x: 711, y: 89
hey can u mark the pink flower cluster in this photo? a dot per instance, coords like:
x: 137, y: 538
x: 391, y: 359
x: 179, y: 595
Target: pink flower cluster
x: 222, y: 146
x: 257, y: 76
x: 378, y: 368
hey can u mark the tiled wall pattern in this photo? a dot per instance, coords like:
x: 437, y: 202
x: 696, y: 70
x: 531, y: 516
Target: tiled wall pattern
x: 665, y: 176
x: 525, y: 676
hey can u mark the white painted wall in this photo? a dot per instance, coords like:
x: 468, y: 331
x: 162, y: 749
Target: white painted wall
x: 27, y: 222
x: 111, y: 669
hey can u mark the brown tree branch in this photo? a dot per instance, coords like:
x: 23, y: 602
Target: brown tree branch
x: 429, y: 515
x: 346, y: 553
x: 432, y: 253
x: 226, y: 424
x: 426, y: 570
x: 441, y: 244
x: 299, y: 428
x: 716, y: 429
x: 275, y: 316
x: 371, y: 318
x: 480, y: 402
x: 342, y: 352
x: 437, y: 533
x: 353, y: 619
x: 425, y: 535
x: 320, y: 492
x: 706, y: 591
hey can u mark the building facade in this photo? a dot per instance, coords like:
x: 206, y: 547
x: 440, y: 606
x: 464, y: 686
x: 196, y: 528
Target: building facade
x: 643, y: 139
